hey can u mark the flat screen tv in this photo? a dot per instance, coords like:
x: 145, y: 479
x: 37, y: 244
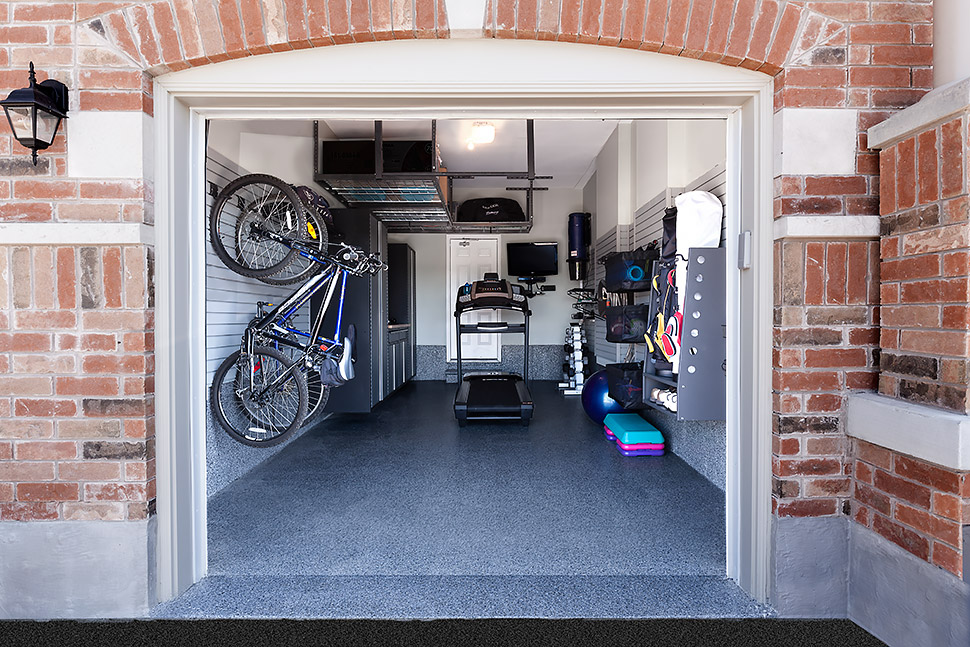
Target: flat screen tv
x: 532, y: 259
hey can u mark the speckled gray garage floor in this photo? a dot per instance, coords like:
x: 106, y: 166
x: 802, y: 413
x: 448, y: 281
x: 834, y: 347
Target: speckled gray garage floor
x: 401, y: 514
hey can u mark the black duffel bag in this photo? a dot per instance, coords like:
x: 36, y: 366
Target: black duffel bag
x: 625, y: 382
x: 490, y: 210
x: 630, y: 271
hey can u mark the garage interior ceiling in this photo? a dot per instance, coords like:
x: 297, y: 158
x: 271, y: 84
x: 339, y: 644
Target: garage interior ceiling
x: 565, y: 149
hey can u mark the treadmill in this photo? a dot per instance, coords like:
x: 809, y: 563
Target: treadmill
x: 493, y: 395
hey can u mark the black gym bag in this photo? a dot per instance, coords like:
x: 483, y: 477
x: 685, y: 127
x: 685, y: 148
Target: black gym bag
x: 490, y: 210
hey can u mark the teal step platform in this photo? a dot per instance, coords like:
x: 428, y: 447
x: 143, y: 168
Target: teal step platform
x: 631, y: 429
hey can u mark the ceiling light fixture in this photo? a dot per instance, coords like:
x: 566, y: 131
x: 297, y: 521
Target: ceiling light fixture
x: 482, y: 133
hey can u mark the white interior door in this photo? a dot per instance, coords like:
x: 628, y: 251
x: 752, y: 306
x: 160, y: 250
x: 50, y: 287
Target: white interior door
x: 468, y: 260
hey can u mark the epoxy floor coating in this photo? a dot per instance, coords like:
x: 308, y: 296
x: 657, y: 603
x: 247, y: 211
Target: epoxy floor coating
x: 400, y: 513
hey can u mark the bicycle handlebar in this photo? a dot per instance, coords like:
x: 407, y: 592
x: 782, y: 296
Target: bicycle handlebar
x: 351, y: 258
x: 357, y: 262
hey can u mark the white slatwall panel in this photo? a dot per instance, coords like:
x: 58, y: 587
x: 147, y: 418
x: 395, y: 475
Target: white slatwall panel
x: 230, y: 298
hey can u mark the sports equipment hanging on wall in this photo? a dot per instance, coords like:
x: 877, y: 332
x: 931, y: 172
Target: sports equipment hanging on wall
x: 699, y: 216
x: 579, y: 239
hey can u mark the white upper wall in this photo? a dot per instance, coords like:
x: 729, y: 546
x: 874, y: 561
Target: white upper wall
x: 550, y: 312
x: 693, y: 147
x: 607, y: 171
x: 652, y: 167
x: 280, y: 148
x: 951, y: 47
x: 641, y: 159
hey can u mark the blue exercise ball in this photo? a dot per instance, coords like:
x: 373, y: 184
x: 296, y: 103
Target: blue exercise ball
x: 596, y: 398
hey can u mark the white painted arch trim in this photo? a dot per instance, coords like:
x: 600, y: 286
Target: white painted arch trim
x: 921, y: 431
x: 364, y: 81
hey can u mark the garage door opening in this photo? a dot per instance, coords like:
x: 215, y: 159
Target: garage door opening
x: 386, y: 500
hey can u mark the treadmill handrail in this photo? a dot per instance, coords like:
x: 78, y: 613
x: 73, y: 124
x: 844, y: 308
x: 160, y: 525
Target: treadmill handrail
x: 472, y: 307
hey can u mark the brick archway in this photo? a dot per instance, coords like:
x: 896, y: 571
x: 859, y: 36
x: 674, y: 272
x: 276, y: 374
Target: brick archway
x: 170, y: 35
x: 863, y: 59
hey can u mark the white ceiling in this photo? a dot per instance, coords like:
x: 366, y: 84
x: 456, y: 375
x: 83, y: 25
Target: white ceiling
x: 566, y: 150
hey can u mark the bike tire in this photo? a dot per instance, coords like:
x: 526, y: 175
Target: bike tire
x: 318, y: 395
x: 302, y: 268
x: 267, y: 199
x: 252, y: 423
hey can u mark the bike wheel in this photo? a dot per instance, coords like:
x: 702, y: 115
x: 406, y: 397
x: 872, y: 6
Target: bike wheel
x: 255, y: 199
x: 318, y: 395
x: 316, y: 236
x: 259, y: 400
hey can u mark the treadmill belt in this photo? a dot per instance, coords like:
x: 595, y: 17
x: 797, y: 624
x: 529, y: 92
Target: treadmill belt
x: 493, y: 397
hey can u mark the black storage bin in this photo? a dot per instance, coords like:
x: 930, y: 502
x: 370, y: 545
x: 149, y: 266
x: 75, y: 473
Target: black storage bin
x: 626, y: 324
x: 490, y: 210
x: 630, y: 271
x: 625, y: 382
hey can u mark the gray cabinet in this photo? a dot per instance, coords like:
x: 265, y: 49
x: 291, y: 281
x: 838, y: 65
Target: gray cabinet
x: 399, y: 364
x: 396, y: 364
x: 365, y: 307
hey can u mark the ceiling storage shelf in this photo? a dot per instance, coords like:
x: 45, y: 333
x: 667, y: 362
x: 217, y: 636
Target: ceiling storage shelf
x: 404, y: 184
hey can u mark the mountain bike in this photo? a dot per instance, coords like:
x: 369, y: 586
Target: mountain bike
x: 281, y: 376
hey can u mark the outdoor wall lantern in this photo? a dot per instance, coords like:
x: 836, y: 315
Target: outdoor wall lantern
x: 35, y: 112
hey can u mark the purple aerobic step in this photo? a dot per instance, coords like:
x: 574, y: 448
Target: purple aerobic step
x: 609, y: 434
x: 636, y: 446
x: 640, y: 452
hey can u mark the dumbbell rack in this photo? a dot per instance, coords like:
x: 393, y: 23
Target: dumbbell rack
x: 575, y: 358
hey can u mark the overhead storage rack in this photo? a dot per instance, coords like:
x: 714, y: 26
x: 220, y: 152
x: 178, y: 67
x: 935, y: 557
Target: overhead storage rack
x: 389, y: 180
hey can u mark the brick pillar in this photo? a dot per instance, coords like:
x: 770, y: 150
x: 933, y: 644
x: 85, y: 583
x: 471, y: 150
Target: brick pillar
x: 918, y: 504
x: 925, y: 269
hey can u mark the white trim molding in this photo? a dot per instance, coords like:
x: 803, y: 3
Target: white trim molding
x: 921, y: 431
x: 76, y: 234
x: 827, y: 227
x: 936, y: 107
x: 461, y: 79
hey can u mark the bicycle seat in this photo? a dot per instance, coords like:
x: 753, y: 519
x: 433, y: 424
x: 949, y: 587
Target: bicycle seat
x: 345, y: 368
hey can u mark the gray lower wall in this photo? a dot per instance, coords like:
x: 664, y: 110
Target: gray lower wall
x: 810, y: 569
x: 545, y: 362
x: 226, y: 459
x: 902, y: 600
x: 77, y: 569
x: 701, y: 443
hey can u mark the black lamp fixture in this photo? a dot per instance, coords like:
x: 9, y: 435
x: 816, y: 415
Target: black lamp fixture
x: 35, y: 112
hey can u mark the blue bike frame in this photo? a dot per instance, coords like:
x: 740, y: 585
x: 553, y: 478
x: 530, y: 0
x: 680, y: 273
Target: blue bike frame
x: 272, y: 325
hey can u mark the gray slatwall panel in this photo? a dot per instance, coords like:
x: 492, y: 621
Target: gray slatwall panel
x: 617, y: 239
x: 648, y: 226
x: 230, y: 298
x: 603, y: 349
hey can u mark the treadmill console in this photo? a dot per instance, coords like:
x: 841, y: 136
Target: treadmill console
x: 490, y: 292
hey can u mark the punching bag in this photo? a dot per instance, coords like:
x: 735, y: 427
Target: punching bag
x: 579, y: 234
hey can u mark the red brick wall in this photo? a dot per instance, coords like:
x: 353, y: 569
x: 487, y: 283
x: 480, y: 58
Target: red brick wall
x: 825, y: 345
x: 873, y: 56
x: 918, y: 506
x: 925, y: 267
x: 76, y: 366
